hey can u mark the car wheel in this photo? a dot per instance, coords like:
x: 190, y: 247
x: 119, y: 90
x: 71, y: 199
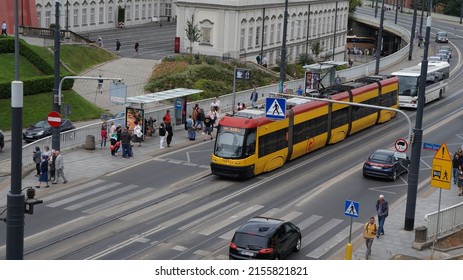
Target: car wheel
x: 298, y: 245
x: 394, y: 175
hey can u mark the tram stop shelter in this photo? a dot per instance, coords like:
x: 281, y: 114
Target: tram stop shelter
x: 321, y: 75
x: 178, y: 95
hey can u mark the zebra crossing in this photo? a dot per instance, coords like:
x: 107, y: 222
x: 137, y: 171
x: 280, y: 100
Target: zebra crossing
x: 202, y: 233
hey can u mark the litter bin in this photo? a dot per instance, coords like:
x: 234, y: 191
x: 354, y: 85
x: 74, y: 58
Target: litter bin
x: 421, y: 233
x: 89, y: 142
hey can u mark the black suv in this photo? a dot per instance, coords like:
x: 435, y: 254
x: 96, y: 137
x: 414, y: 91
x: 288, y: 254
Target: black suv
x: 265, y: 238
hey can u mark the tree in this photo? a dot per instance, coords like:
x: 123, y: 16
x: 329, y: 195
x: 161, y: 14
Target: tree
x: 316, y: 48
x: 353, y: 4
x: 193, y: 33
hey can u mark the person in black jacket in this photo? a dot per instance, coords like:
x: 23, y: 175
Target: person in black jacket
x: 162, y: 134
x: 170, y: 133
x: 382, y: 208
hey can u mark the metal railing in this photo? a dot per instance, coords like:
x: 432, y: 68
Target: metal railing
x: 451, y: 218
x: 49, y: 34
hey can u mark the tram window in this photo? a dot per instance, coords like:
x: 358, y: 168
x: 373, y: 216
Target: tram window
x: 251, y: 143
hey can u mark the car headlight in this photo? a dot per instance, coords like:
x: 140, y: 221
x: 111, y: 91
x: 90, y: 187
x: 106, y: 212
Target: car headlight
x: 40, y: 133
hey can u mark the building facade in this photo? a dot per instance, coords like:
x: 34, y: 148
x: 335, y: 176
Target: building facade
x: 86, y: 15
x: 244, y: 28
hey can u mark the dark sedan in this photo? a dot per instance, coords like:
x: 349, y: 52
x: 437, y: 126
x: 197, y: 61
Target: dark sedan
x: 386, y: 164
x: 2, y: 140
x: 43, y: 129
x: 265, y: 238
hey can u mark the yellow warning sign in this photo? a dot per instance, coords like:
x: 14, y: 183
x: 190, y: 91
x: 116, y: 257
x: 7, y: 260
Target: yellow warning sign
x: 442, y: 169
x: 443, y: 153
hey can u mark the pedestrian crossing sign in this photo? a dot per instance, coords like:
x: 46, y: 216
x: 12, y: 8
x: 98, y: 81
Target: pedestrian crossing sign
x: 275, y: 108
x: 351, y: 208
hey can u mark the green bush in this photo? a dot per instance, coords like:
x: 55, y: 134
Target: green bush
x: 34, y: 85
x: 35, y: 59
x: 6, y: 45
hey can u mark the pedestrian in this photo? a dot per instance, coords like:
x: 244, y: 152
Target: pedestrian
x: 169, y: 134
x: 254, y: 96
x: 118, y: 47
x: 137, y: 46
x: 59, y: 168
x: 259, y: 58
x: 46, y: 151
x: 4, y: 28
x: 199, y: 119
x: 112, y: 129
x: 100, y: 85
x: 126, y: 137
x: 285, y: 89
x: 194, y: 114
x: 382, y: 208
x: 215, y: 105
x: 300, y: 91
x: 100, y: 41
x: 240, y: 106
x: 189, y: 128
x: 51, y: 167
x: 103, y: 134
x: 460, y: 180
x: 209, y: 126
x: 369, y: 233
x: 264, y: 61
x: 162, y: 134
x: 43, y: 172
x: 114, y: 147
x: 137, y: 131
x: 167, y: 119
x: 456, y: 162
x: 37, y: 158
x: 337, y: 80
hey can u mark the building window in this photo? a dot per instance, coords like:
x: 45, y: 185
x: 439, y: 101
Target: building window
x: 110, y: 14
x: 168, y: 9
x: 251, y: 30
x: 149, y: 9
x: 84, y: 17
x: 206, y: 31
x: 127, y: 13
x: 47, y: 19
x: 299, y: 23
x: 101, y: 15
x: 242, y: 35
x: 143, y: 11
x: 292, y: 30
x: 155, y: 12
x: 39, y: 17
x: 137, y: 10
x: 76, y: 17
x: 304, y: 30
x: 92, y: 16
x: 272, y: 33
x: 279, y: 32
x: 257, y: 36
x: 265, y: 35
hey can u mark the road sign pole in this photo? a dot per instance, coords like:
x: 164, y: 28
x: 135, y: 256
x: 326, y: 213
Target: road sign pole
x: 349, y: 244
x: 438, y: 223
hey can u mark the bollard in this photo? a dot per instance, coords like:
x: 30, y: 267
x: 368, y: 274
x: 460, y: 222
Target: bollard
x: 421, y: 234
x: 90, y: 142
x: 349, y: 251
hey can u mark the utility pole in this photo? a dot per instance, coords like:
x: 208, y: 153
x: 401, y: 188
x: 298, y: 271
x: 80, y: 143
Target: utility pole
x: 67, y: 15
x: 262, y: 39
x: 15, y: 197
x: 396, y: 11
x: 379, y: 41
x: 55, y: 137
x: 334, y: 31
x: 410, y: 52
x: 283, y: 50
x: 422, y: 16
x: 417, y: 134
x: 376, y: 9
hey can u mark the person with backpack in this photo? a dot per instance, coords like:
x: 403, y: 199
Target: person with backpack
x: 189, y: 127
x: 199, y: 118
x: 209, y: 125
x: 382, y: 208
x: 369, y: 233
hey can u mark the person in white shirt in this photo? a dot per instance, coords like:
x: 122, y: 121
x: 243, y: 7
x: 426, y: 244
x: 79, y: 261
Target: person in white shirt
x: 4, y: 28
x: 215, y: 105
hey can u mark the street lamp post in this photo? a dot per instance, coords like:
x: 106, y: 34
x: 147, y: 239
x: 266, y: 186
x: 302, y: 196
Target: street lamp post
x: 283, y: 50
x: 410, y: 51
x: 418, y: 134
x: 379, y: 41
x: 55, y: 138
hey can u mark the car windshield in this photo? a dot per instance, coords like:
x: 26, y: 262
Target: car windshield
x: 42, y: 124
x: 250, y: 241
x: 381, y: 158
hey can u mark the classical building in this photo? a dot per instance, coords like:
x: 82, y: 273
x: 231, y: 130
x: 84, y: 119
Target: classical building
x: 85, y: 15
x: 244, y: 28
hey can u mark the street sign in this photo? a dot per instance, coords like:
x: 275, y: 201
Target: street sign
x: 351, y: 208
x: 441, y: 169
x: 243, y: 74
x: 401, y: 145
x: 54, y: 119
x: 430, y: 146
x: 275, y: 108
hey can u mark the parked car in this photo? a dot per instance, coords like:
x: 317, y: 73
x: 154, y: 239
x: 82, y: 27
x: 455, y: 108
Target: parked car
x: 43, y: 129
x: 442, y: 37
x: 446, y: 48
x: 443, y: 56
x: 265, y: 238
x: 386, y: 164
x: 2, y: 140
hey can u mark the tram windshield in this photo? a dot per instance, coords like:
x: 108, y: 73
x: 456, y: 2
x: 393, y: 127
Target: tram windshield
x: 233, y: 142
